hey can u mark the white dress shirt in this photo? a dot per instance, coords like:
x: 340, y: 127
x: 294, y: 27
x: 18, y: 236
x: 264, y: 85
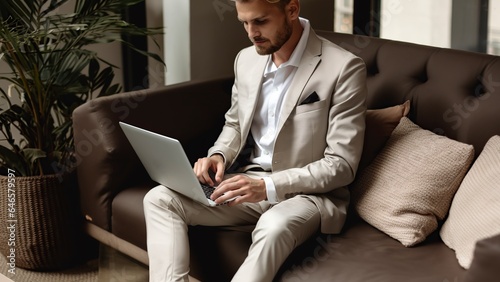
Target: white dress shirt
x: 276, y: 82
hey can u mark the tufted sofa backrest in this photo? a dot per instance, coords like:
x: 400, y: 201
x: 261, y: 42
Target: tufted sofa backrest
x: 453, y: 93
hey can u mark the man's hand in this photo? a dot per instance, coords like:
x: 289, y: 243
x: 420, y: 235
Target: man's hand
x: 246, y: 189
x: 214, y: 163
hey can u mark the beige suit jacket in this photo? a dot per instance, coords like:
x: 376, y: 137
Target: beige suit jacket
x: 318, y: 145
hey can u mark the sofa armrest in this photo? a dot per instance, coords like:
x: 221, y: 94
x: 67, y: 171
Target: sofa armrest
x: 485, y: 264
x: 106, y: 163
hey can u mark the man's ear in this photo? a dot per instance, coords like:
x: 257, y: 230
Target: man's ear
x: 293, y: 9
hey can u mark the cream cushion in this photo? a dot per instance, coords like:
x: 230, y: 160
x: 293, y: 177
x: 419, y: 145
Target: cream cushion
x: 409, y: 185
x: 475, y: 210
x: 379, y: 125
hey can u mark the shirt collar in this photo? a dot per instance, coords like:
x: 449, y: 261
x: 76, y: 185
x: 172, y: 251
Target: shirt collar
x: 297, y: 52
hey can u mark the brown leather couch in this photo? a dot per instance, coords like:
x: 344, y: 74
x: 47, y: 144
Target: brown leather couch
x: 441, y: 84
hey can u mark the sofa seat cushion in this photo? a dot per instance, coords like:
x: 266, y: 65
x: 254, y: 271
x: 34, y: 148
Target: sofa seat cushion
x: 127, y: 219
x: 484, y: 267
x: 372, y: 256
x: 360, y: 249
x: 217, y: 252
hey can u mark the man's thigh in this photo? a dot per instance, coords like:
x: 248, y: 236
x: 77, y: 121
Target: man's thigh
x: 298, y: 215
x: 195, y: 213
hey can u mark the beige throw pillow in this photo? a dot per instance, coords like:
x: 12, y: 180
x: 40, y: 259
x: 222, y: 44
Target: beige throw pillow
x: 379, y: 125
x: 475, y: 210
x: 409, y: 186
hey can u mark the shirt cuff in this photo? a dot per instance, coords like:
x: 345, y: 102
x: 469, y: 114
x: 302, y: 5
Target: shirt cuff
x: 272, y: 197
x: 221, y: 154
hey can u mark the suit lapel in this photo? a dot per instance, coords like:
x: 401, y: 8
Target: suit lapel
x: 249, y: 96
x: 308, y: 64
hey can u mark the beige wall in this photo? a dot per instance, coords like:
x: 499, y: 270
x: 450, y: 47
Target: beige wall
x: 156, y: 70
x: 216, y: 38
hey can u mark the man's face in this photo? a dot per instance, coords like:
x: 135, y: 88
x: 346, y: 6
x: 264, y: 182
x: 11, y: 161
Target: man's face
x: 266, y: 24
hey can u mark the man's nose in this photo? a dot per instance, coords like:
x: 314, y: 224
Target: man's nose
x: 252, y: 31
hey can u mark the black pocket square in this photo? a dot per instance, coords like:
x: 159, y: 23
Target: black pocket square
x: 313, y: 97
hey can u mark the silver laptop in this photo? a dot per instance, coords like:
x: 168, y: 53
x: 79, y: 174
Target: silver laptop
x: 167, y: 163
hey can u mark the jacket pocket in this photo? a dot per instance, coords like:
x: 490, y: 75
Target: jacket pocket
x: 310, y: 107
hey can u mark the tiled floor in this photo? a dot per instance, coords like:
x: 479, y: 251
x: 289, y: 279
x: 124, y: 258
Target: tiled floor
x: 112, y: 266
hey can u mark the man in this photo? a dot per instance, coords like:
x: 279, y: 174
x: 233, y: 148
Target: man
x: 294, y: 133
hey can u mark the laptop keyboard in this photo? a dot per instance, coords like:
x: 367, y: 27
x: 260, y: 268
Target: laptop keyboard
x: 207, y: 189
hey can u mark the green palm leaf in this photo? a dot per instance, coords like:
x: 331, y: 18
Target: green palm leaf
x: 53, y: 72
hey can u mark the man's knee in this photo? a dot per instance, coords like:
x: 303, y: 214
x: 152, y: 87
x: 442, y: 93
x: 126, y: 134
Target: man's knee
x: 156, y: 196
x: 279, y: 222
x: 272, y: 226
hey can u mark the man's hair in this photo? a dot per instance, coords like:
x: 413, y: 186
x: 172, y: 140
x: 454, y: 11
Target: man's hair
x: 281, y: 3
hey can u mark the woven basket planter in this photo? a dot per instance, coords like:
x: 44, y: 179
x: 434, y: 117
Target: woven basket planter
x: 39, y: 231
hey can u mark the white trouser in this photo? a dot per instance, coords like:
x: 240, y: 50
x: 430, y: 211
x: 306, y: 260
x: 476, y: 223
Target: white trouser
x: 278, y: 230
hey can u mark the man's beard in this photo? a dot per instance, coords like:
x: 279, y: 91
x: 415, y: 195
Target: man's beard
x: 281, y: 38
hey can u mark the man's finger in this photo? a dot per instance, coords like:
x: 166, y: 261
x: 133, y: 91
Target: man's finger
x: 219, y: 175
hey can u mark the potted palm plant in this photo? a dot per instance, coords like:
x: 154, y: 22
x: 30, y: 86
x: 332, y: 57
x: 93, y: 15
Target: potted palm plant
x: 51, y: 73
